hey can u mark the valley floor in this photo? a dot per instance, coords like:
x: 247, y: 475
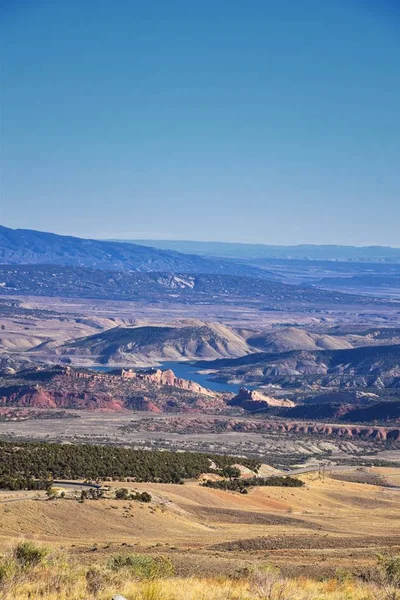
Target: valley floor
x: 176, y: 432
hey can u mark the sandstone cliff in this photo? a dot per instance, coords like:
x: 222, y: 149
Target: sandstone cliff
x: 254, y: 401
x: 153, y: 390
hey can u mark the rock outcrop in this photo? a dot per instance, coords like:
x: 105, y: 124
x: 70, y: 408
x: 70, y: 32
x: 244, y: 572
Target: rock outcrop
x: 237, y: 425
x: 150, y: 390
x: 255, y: 401
x: 168, y: 377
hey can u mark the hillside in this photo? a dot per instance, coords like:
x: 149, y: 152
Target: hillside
x: 304, y: 531
x: 25, y: 246
x: 365, y: 367
x: 345, y: 413
x: 149, y: 344
x: 361, y: 410
x: 286, y: 339
x: 291, y: 338
x: 176, y: 285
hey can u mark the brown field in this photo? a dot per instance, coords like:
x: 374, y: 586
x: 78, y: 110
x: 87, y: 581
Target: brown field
x: 315, y: 530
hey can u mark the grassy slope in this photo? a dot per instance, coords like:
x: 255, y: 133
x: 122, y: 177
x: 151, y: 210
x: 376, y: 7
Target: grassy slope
x: 296, y: 528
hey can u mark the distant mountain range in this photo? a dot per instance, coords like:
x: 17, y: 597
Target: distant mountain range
x: 260, y: 251
x: 193, y: 288
x: 326, y: 267
x: 25, y: 246
x: 372, y: 270
x: 291, y: 355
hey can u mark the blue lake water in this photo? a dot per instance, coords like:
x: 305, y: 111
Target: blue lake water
x: 187, y: 370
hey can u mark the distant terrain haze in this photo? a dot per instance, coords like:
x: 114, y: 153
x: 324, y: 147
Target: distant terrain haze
x: 255, y: 251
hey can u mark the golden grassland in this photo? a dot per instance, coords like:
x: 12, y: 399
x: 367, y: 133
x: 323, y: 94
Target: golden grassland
x: 318, y: 542
x: 315, y: 529
x: 29, y: 571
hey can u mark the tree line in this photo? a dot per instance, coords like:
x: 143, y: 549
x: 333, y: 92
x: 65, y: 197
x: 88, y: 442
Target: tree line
x: 16, y: 484
x: 242, y: 485
x: 31, y: 462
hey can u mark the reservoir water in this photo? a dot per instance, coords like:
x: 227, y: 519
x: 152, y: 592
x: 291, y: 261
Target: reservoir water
x: 187, y: 370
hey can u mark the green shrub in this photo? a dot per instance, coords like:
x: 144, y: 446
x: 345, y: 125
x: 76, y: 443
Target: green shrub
x: 343, y: 575
x: 390, y: 569
x: 140, y: 496
x: 230, y: 472
x: 143, y: 566
x: 6, y: 570
x: 122, y: 494
x: 27, y: 554
x: 145, y: 497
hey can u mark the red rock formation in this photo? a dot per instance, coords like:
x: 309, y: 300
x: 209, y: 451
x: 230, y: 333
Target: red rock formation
x: 152, y: 390
x: 168, y: 377
x: 157, y: 376
x: 34, y: 397
x: 38, y: 397
x: 254, y: 401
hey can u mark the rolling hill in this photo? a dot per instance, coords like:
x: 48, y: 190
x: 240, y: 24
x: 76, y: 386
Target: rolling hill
x: 365, y: 367
x: 292, y: 338
x: 150, y: 344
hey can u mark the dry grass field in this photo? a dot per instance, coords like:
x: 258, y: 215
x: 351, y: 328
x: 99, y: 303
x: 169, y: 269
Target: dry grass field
x: 72, y: 582
x: 314, y: 531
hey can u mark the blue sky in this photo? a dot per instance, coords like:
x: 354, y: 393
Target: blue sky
x: 260, y: 121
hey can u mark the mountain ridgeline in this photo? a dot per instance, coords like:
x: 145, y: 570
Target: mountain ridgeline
x: 149, y: 344
x: 283, y: 348
x: 264, y: 251
x: 29, y: 247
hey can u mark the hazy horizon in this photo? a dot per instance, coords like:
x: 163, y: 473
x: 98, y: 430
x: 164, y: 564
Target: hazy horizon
x: 182, y: 240
x: 233, y: 242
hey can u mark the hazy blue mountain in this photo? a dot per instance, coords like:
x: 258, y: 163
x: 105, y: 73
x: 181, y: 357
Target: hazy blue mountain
x: 25, y: 246
x: 254, y: 251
